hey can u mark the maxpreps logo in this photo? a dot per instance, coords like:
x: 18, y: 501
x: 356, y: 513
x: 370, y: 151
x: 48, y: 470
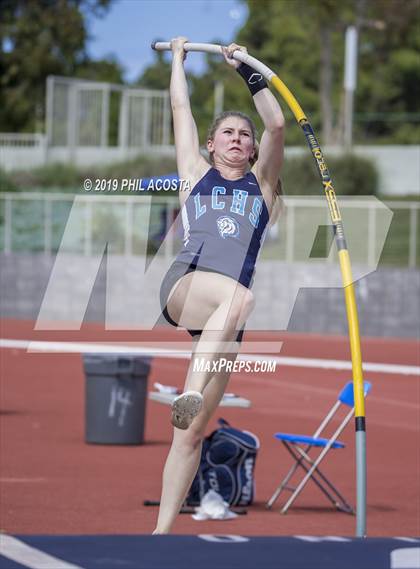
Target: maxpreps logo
x: 227, y: 226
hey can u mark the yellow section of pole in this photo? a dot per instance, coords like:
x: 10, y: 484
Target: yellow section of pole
x: 288, y: 97
x: 353, y: 323
x: 346, y: 273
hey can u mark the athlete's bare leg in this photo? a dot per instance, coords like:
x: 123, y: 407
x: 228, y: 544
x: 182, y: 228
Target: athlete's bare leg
x: 184, y: 455
x: 219, y: 306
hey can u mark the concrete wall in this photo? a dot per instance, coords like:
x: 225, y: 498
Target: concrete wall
x: 84, y: 156
x: 398, y: 166
x: 388, y: 299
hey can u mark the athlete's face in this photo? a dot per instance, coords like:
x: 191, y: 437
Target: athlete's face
x: 233, y: 142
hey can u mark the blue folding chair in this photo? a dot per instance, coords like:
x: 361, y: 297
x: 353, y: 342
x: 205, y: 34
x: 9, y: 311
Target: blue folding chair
x: 299, y: 446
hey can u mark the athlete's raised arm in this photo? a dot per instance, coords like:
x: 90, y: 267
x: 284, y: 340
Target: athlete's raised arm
x: 271, y: 147
x: 191, y: 165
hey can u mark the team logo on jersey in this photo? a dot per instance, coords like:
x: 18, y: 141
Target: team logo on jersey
x: 227, y: 226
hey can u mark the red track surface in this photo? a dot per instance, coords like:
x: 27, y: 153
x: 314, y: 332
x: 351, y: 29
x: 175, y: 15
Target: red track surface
x: 51, y: 482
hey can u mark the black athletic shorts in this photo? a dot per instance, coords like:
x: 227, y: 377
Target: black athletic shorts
x: 175, y: 272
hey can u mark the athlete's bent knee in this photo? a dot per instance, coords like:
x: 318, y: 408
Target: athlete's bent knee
x: 188, y: 440
x: 248, y: 303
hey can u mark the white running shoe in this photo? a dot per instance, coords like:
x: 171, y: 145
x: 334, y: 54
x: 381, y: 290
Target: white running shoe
x: 185, y: 407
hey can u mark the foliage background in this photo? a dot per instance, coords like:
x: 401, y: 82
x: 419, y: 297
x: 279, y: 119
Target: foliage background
x: 302, y: 40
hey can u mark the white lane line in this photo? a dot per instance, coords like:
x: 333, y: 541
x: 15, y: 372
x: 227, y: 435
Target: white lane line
x: 180, y: 350
x: 22, y: 480
x: 19, y: 552
x: 123, y: 348
x: 337, y: 364
x: 316, y: 539
x: 405, y: 558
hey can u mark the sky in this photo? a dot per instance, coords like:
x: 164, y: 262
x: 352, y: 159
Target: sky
x: 130, y: 26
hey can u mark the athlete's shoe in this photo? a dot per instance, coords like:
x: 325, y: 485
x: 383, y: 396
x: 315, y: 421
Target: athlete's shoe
x: 185, y: 407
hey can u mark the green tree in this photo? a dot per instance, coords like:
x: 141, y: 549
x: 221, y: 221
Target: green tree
x: 388, y: 90
x: 157, y: 75
x: 39, y: 38
x: 108, y: 70
x: 303, y: 41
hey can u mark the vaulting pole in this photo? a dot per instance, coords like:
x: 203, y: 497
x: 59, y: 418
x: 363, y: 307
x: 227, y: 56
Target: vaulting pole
x: 343, y: 255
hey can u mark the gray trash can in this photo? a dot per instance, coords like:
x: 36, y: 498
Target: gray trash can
x: 115, y: 398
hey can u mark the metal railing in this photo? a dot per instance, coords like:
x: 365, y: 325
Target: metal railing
x: 27, y: 140
x: 86, y: 113
x: 91, y: 122
x: 36, y: 222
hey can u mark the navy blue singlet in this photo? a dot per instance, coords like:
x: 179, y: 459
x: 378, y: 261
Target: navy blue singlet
x: 224, y: 225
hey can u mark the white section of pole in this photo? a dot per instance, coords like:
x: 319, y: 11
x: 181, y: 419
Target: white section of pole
x: 213, y: 48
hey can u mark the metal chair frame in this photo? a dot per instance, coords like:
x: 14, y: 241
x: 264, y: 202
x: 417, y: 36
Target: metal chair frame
x: 310, y: 466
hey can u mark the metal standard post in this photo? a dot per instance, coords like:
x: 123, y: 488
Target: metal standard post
x: 361, y: 477
x: 49, y: 117
x: 47, y: 225
x: 165, y: 119
x: 146, y: 138
x: 412, y: 253
x: 123, y: 123
x: 105, y: 115
x: 72, y: 120
x: 350, y: 79
x: 219, y: 93
x: 8, y: 225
